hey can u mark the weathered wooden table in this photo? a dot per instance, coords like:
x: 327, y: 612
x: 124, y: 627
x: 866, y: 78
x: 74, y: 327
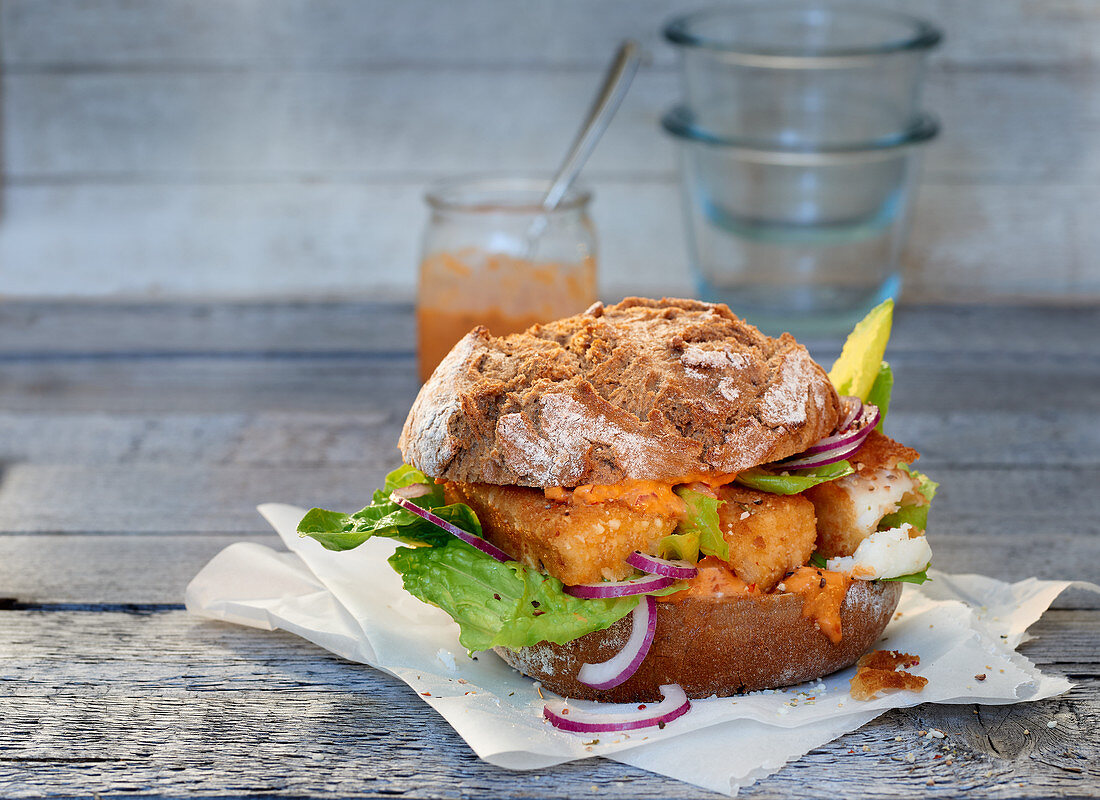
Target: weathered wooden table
x: 135, y: 441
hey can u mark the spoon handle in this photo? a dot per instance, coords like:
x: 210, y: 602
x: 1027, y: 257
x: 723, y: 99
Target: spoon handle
x: 619, y: 75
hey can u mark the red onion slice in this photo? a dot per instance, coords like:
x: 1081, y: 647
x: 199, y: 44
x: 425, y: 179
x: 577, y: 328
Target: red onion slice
x: 469, y: 538
x: 413, y: 490
x: 660, y: 566
x: 609, y: 674
x: 820, y: 459
x: 865, y: 423
x: 602, y: 591
x: 837, y: 447
x: 675, y: 704
x: 852, y: 407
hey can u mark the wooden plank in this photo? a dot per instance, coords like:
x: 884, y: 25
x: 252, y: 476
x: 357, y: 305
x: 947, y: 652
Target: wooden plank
x: 961, y: 238
x: 318, y: 124
x: 926, y: 383
x: 56, y: 328
x: 135, y: 568
x: 101, y: 128
x: 150, y: 498
x: 262, y: 439
x: 969, y: 243
x: 112, y: 34
x: 110, y: 569
x: 330, y: 743
x: 351, y: 439
x: 221, y: 241
x: 212, y: 385
x: 194, y: 705
x: 174, y: 653
x: 128, y: 329
x: 79, y: 127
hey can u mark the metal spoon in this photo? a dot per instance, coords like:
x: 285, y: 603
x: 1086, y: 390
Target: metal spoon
x: 610, y: 96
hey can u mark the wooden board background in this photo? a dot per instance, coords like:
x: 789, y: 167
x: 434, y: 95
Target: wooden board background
x: 136, y: 440
x: 243, y: 149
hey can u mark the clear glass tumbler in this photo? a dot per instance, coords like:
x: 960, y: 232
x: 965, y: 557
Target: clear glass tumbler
x: 798, y: 136
x: 480, y: 265
x: 802, y: 73
x: 799, y: 240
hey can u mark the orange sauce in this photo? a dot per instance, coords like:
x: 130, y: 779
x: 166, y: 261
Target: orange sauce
x: 714, y: 579
x: 653, y: 497
x: 459, y: 291
x: 820, y: 602
x: 438, y: 330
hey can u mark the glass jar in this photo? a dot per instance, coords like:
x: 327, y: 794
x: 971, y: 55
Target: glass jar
x: 482, y: 264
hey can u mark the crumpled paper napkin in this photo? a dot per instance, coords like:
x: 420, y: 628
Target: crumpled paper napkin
x: 352, y: 604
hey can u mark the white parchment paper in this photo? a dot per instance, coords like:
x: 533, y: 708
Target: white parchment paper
x: 352, y: 604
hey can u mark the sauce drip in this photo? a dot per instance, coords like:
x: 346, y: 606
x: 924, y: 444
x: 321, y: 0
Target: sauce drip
x: 715, y: 579
x: 822, y: 591
x: 822, y: 596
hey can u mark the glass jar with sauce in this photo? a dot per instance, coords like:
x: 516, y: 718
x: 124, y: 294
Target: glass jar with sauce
x: 480, y: 266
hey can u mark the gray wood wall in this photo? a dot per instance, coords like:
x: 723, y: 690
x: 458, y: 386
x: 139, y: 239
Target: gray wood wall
x: 280, y: 147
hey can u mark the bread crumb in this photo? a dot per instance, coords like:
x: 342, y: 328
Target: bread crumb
x: 879, y: 671
x: 910, y: 757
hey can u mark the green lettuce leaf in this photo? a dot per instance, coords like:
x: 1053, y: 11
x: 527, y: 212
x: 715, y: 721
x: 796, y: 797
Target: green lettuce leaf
x: 796, y: 481
x: 680, y: 546
x: 338, y: 531
x: 406, y: 476
x: 917, y: 516
x: 701, y: 520
x: 383, y: 517
x: 880, y: 392
x: 499, y: 604
x: 493, y: 603
x: 915, y: 577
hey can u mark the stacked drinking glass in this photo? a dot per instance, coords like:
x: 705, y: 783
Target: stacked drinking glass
x: 799, y: 132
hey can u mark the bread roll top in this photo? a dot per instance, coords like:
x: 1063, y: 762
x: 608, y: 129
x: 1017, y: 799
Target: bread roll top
x: 645, y: 389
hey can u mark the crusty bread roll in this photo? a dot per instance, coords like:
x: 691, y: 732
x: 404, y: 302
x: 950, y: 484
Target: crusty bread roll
x: 718, y: 646
x: 642, y: 390
x: 658, y: 392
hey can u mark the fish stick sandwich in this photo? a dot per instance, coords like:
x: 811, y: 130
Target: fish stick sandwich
x: 654, y: 498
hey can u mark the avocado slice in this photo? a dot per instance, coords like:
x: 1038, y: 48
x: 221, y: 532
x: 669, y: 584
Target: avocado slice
x: 854, y: 373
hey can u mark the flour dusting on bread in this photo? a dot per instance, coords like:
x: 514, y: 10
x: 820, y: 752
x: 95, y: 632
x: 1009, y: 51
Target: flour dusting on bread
x: 554, y: 453
x: 786, y: 400
x: 645, y: 389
